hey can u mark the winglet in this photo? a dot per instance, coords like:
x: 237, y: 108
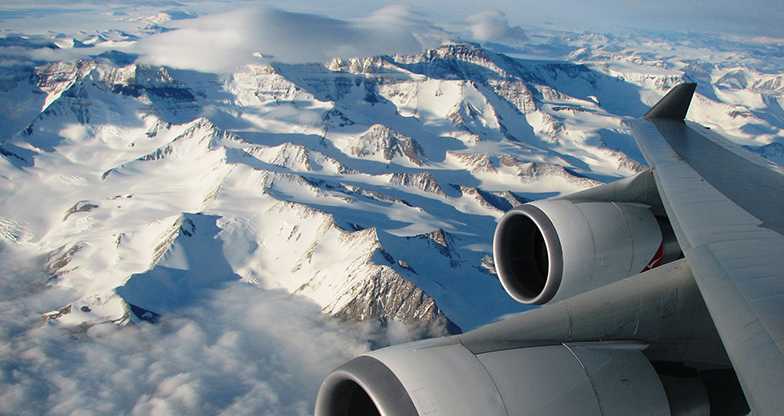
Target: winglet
x: 674, y: 105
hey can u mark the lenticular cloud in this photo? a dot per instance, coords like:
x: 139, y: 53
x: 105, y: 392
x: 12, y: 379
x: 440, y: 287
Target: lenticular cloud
x: 492, y: 26
x: 221, y: 43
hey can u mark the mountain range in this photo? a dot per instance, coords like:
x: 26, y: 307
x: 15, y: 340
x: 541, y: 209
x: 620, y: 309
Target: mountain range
x: 371, y: 186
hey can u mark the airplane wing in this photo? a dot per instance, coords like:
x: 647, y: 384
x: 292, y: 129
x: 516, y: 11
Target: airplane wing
x: 727, y: 210
x: 663, y: 294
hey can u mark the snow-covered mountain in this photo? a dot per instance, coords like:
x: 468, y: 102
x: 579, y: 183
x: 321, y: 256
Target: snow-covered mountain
x: 369, y: 187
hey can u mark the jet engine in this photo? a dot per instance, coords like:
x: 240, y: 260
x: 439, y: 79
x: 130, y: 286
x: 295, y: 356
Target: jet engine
x: 509, y: 367
x: 435, y: 377
x: 553, y: 249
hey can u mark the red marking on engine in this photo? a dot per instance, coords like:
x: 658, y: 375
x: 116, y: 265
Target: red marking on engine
x: 657, y: 258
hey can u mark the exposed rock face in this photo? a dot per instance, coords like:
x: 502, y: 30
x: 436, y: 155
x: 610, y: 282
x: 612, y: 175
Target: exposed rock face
x: 298, y: 158
x: 146, y: 81
x: 57, y: 260
x: 260, y: 84
x: 452, y: 61
x: 625, y: 162
x: 531, y: 171
x: 335, y: 118
x: 476, y: 162
x: 138, y: 81
x: 367, y: 286
x: 495, y: 201
x: 389, y: 296
x: 515, y: 93
x: 57, y: 77
x: 382, y: 140
x: 81, y: 206
x: 423, y: 181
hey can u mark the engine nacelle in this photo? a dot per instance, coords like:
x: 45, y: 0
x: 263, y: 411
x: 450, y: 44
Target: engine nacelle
x: 423, y: 379
x: 553, y: 249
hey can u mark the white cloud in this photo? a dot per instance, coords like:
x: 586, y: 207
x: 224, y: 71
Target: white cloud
x: 752, y: 17
x: 492, y: 26
x: 222, y: 42
x: 242, y: 351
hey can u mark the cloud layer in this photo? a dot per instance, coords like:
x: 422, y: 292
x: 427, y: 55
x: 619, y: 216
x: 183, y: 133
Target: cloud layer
x: 222, y: 42
x: 258, y: 354
x: 241, y: 351
x: 492, y: 26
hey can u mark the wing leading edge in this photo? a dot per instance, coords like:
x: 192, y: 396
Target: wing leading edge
x: 727, y: 210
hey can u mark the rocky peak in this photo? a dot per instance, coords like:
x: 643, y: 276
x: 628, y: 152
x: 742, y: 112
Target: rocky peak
x: 298, y: 158
x: 423, y: 181
x: 147, y: 81
x: 292, y: 155
x: 475, y: 162
x: 357, y: 65
x: 533, y: 171
x: 350, y: 273
x: 499, y: 202
x: 444, y: 239
x: 387, y: 295
x: 770, y: 85
x: 699, y: 71
x: 734, y: 80
x: 56, y: 77
x: 516, y: 93
x: 383, y: 141
x: 624, y: 162
x: 180, y: 225
x: 137, y: 74
x: 453, y: 61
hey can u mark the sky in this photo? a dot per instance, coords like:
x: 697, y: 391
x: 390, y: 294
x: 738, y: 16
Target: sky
x: 226, y: 35
x: 748, y: 18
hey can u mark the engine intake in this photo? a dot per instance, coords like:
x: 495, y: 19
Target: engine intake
x: 554, y: 249
x: 420, y: 379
